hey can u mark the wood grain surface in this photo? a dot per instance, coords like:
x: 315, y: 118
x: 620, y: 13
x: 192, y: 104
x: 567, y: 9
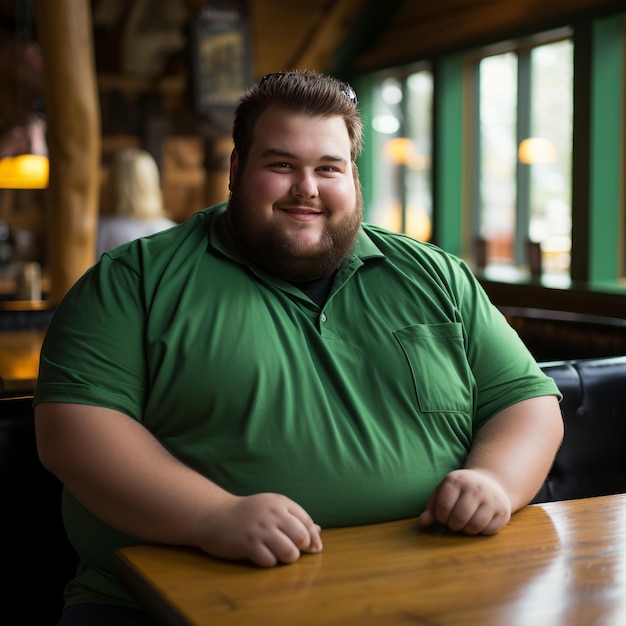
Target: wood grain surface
x: 562, y: 563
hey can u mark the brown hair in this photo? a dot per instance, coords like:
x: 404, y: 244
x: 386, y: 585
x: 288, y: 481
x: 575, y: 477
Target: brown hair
x: 300, y: 91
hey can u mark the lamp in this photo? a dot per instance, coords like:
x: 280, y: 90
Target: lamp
x: 23, y: 150
x: 534, y: 150
x: 25, y: 171
x: 28, y: 170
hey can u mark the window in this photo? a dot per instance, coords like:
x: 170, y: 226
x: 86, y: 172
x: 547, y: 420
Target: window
x: 523, y: 148
x: 554, y: 204
x: 400, y: 145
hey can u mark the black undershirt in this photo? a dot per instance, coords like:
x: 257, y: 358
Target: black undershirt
x: 317, y: 289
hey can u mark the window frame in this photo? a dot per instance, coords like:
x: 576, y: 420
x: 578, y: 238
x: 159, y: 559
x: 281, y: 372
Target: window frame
x: 522, y: 48
x: 598, y: 153
x: 368, y: 161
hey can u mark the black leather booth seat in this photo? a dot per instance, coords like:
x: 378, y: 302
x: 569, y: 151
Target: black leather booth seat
x: 566, y: 335
x: 592, y: 458
x: 25, y: 319
x: 37, y: 558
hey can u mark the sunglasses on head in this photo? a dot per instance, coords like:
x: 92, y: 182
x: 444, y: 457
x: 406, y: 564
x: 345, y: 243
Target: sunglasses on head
x: 345, y: 89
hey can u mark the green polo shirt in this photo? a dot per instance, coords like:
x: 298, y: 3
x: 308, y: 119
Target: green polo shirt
x: 355, y: 410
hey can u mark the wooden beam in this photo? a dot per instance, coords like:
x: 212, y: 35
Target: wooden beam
x: 421, y: 30
x: 329, y: 32
x: 73, y: 133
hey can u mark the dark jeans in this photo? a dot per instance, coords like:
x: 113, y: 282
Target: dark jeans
x: 103, y: 615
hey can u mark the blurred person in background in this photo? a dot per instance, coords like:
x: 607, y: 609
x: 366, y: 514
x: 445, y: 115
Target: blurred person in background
x: 132, y: 204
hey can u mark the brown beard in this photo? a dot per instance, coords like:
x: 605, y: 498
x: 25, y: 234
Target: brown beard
x: 279, y: 255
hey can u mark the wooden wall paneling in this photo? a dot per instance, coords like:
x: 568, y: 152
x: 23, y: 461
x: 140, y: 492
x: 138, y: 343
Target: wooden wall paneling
x: 183, y: 175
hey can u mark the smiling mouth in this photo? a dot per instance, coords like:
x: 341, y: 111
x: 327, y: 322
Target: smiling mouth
x: 302, y: 213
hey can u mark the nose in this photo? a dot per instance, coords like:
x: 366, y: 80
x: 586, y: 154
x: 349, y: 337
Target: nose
x: 305, y: 185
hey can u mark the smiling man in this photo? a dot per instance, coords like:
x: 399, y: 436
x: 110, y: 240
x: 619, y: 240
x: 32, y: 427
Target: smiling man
x: 296, y: 206
x: 274, y: 366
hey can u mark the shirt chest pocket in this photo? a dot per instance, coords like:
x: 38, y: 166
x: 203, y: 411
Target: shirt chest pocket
x: 439, y: 367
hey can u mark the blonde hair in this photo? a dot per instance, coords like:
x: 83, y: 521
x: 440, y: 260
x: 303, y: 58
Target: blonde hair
x: 133, y: 188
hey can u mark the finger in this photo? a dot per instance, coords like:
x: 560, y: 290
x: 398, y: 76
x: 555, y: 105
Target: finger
x: 447, y: 500
x: 305, y: 533
x: 496, y: 524
x: 299, y: 513
x: 427, y: 518
x: 488, y: 522
x: 282, y: 547
x: 462, y: 513
x: 472, y: 511
x: 472, y: 523
x: 315, y: 543
x: 473, y: 515
x: 263, y: 556
x: 300, y: 536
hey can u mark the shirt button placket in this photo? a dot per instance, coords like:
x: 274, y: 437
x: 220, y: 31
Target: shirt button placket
x: 322, y: 319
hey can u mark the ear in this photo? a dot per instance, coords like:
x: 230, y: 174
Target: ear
x: 234, y: 168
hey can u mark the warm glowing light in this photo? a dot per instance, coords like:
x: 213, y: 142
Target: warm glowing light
x: 536, y: 150
x: 25, y: 171
x: 418, y: 223
x: 403, y: 151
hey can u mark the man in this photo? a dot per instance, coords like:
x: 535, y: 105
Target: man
x: 272, y: 366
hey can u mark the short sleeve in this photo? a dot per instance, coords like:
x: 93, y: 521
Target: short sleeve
x: 93, y: 352
x: 504, y: 369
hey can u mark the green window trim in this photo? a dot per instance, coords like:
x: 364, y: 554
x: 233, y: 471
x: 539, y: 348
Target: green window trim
x: 607, y: 165
x: 366, y: 162
x: 449, y: 206
x: 601, y: 262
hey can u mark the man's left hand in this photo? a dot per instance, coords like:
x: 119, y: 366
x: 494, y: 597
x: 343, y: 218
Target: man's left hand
x: 468, y: 501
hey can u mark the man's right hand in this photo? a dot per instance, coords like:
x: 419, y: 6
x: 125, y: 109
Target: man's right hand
x: 123, y: 475
x: 266, y: 528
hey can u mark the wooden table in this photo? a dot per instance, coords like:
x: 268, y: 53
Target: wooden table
x: 19, y: 360
x: 562, y: 563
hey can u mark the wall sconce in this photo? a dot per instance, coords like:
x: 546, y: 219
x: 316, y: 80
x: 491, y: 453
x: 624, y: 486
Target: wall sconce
x: 535, y: 150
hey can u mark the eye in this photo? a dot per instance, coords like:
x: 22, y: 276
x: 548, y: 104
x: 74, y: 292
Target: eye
x: 329, y: 169
x: 281, y: 165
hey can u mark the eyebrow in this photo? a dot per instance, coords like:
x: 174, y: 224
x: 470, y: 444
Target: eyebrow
x: 275, y: 152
